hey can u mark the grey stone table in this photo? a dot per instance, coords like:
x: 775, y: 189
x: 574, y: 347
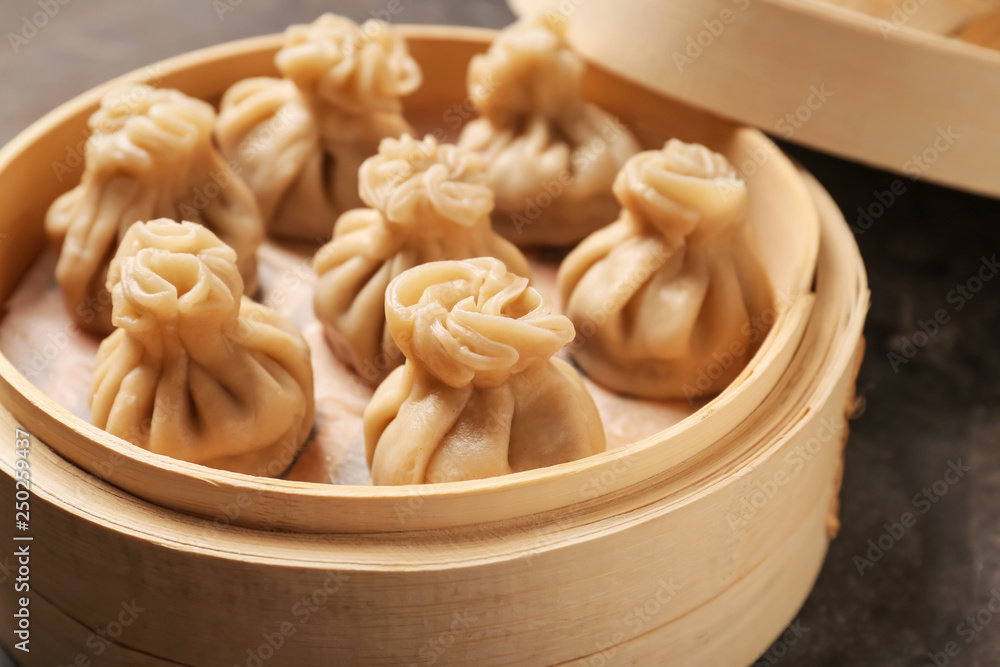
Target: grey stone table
x: 924, y: 453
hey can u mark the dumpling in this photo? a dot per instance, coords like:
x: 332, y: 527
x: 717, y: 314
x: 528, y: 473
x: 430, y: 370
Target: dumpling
x: 429, y: 202
x: 671, y: 300
x: 196, y: 371
x: 551, y: 156
x: 300, y: 140
x: 984, y: 30
x: 480, y: 394
x: 150, y: 156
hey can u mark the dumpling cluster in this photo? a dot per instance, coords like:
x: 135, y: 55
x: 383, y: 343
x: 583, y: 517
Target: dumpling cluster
x: 150, y: 156
x: 480, y: 394
x: 300, y: 140
x: 669, y: 300
x: 428, y: 202
x: 416, y: 292
x: 551, y: 156
x: 195, y: 370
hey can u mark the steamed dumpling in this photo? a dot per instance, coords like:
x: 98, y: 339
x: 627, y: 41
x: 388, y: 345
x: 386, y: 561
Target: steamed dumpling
x: 428, y: 202
x: 300, y: 140
x: 670, y: 301
x: 551, y: 156
x: 480, y: 394
x: 984, y: 31
x: 195, y: 370
x: 150, y: 156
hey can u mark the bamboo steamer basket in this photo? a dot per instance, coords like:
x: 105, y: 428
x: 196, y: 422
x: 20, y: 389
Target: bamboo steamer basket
x: 696, y: 545
x: 884, y: 90
x: 944, y: 17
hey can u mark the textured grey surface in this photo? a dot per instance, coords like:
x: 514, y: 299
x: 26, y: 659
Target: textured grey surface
x: 942, y: 406
x: 88, y: 42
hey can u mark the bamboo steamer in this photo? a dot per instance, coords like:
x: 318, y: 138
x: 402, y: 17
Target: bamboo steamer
x: 696, y: 545
x: 781, y: 212
x: 886, y: 89
x: 944, y: 17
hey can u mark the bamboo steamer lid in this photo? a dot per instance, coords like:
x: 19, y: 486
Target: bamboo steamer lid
x: 659, y: 549
x: 890, y: 88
